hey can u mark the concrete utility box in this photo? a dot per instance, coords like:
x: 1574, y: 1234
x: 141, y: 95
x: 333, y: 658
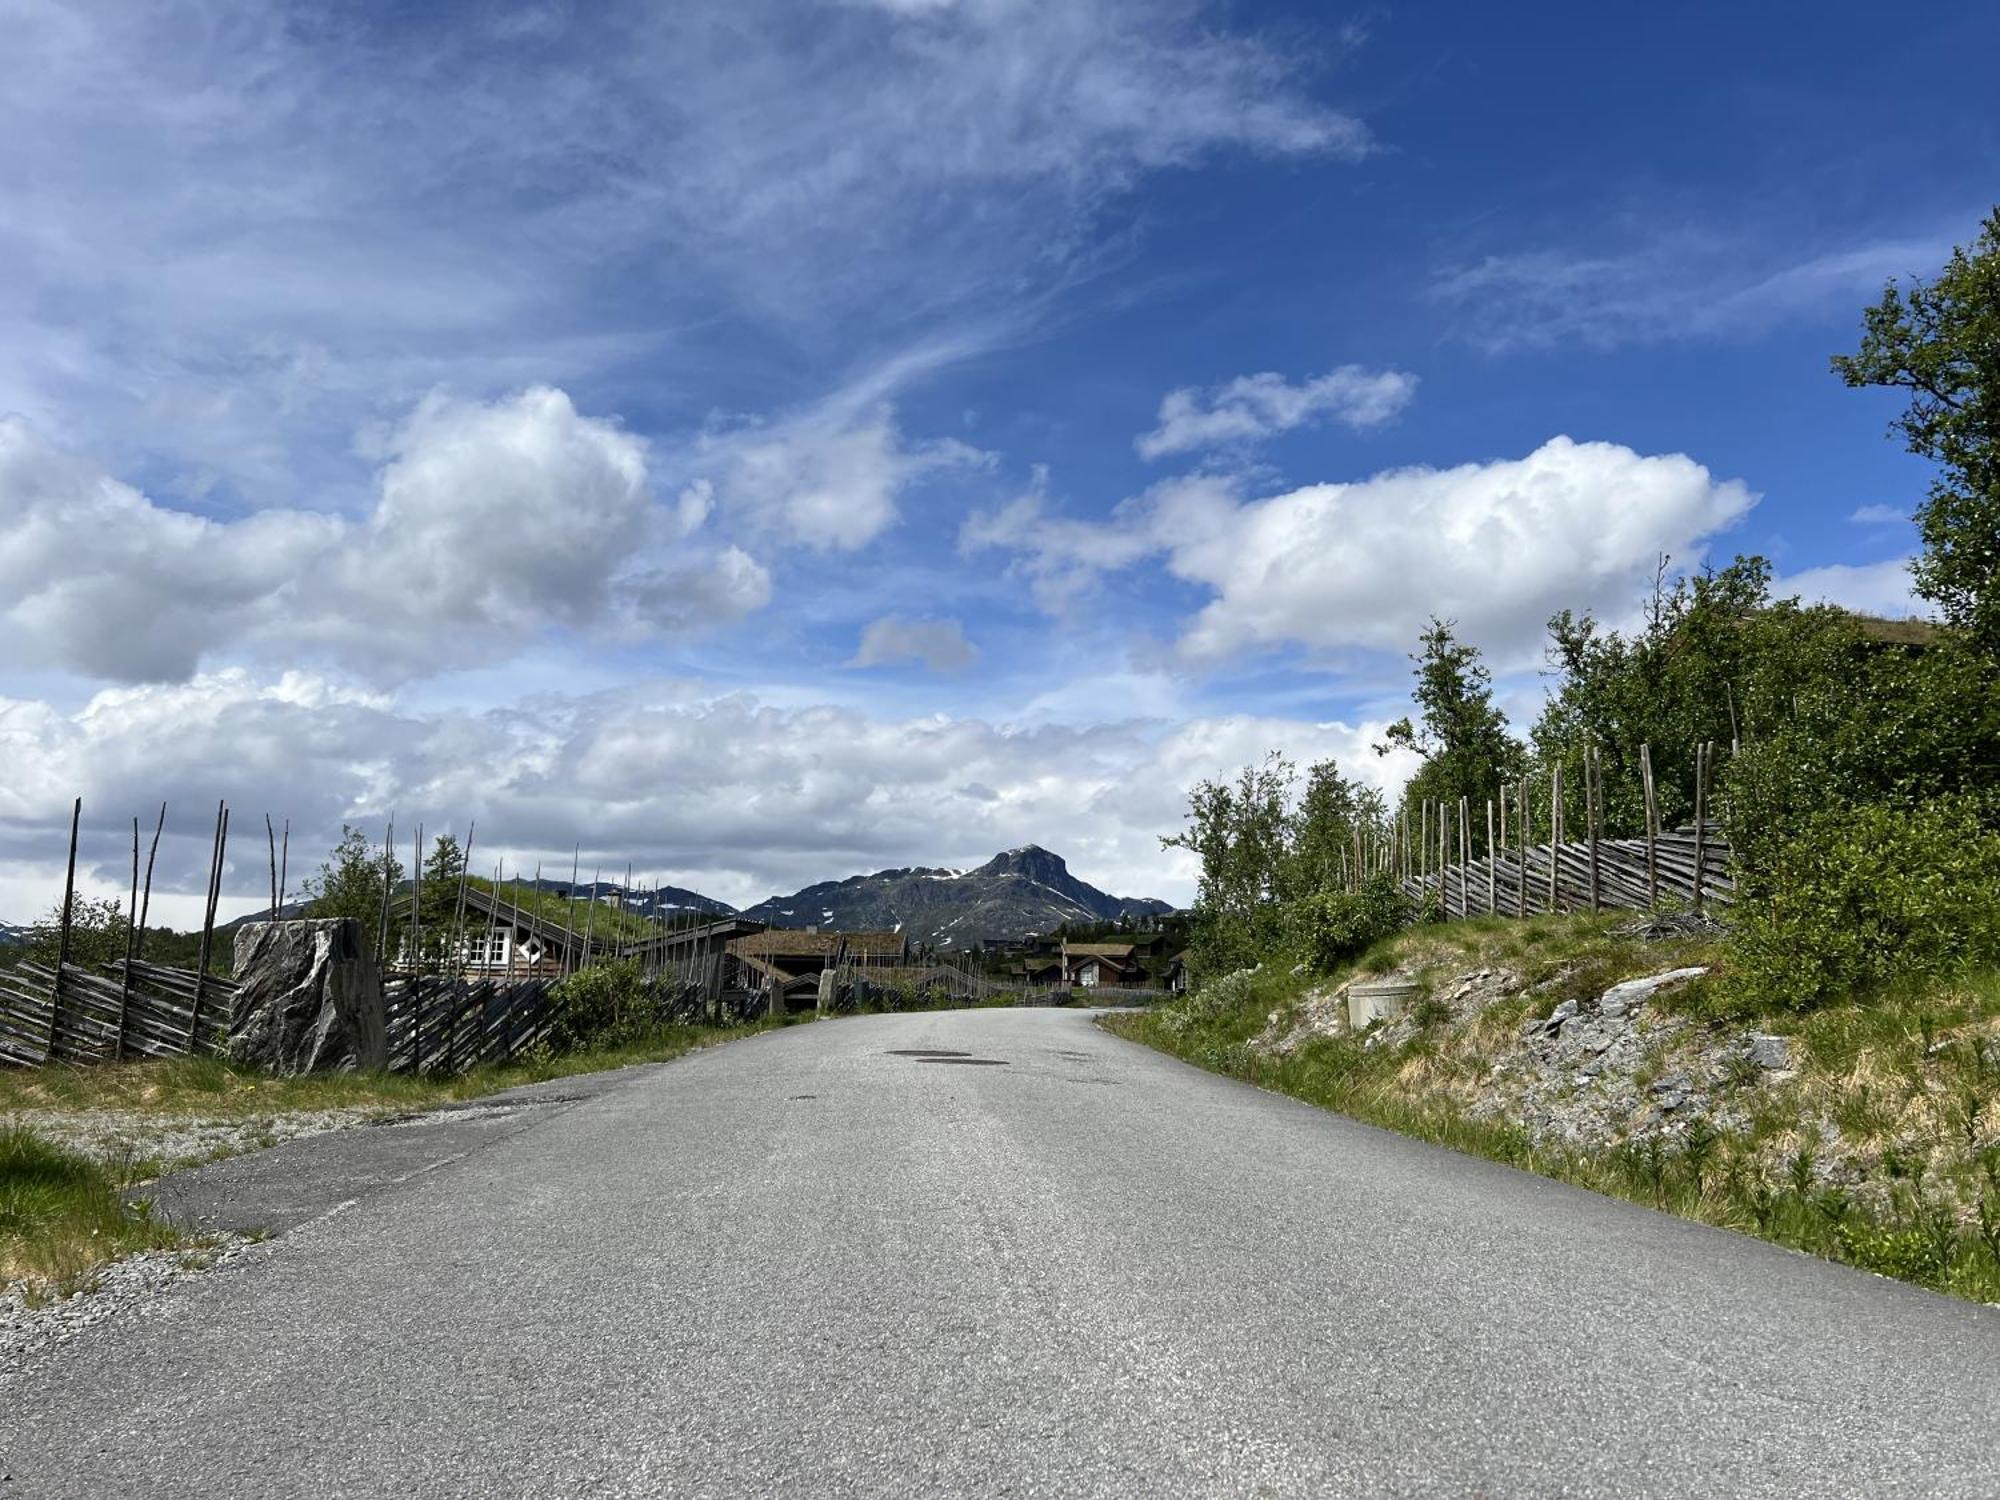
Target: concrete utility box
x: 1371, y: 1000
x: 310, y: 999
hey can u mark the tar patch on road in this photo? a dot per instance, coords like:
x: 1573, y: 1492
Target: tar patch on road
x: 944, y: 1055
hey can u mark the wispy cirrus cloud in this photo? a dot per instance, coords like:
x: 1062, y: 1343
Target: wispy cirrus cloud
x: 235, y: 232
x: 1668, y: 286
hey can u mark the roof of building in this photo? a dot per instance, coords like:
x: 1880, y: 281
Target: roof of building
x: 486, y: 904
x: 1098, y: 950
x: 681, y: 940
x: 793, y: 942
x: 1105, y: 961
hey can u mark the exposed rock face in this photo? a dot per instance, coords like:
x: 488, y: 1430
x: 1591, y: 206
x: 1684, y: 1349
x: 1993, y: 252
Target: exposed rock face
x: 311, y: 998
x: 1012, y: 895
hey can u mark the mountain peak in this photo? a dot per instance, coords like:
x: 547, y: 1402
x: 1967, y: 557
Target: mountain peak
x: 1014, y: 894
x: 1031, y: 861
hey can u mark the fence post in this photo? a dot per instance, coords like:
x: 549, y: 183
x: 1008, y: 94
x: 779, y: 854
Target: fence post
x: 1492, y: 860
x: 146, y: 899
x: 1525, y: 819
x: 1652, y: 827
x: 1444, y: 862
x: 1593, y: 816
x: 1464, y: 856
x: 208, y: 923
x: 62, y: 936
x: 131, y: 932
x: 1702, y: 754
x: 1555, y: 834
x: 388, y: 893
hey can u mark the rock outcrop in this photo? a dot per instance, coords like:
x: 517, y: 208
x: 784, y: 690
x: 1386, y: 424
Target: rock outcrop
x: 310, y: 998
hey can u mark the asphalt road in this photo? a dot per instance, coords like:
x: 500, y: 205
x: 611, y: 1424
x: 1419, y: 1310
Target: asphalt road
x: 804, y: 1264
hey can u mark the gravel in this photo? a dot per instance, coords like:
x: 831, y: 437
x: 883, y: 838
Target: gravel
x: 117, y: 1136
x: 29, y: 1330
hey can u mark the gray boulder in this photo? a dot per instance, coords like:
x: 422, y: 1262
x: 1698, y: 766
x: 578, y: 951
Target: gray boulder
x: 1772, y: 1053
x: 310, y: 999
x: 1621, y: 998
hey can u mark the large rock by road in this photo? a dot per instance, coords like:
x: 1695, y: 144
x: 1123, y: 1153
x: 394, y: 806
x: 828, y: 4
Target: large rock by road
x: 311, y: 998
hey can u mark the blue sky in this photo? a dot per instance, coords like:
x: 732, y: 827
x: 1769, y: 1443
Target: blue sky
x: 764, y: 441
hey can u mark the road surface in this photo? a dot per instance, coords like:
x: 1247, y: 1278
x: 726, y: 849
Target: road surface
x: 809, y: 1263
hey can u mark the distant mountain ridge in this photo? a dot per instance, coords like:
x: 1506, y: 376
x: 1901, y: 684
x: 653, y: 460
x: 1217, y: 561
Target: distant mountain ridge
x: 1013, y: 895
x: 1017, y: 894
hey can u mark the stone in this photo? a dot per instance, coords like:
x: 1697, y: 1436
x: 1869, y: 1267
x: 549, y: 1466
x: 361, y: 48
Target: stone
x: 1562, y: 1013
x: 1621, y: 998
x: 310, y: 998
x: 1771, y: 1053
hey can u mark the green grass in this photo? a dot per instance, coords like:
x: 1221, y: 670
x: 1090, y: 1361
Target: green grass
x: 609, y: 923
x: 61, y: 1216
x: 1912, y: 1083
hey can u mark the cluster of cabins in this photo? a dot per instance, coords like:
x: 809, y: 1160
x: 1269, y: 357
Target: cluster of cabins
x: 737, y: 954
x: 1145, y: 961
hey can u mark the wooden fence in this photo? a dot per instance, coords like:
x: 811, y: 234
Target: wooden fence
x: 96, y: 1017
x: 1679, y: 867
x: 80, y: 1015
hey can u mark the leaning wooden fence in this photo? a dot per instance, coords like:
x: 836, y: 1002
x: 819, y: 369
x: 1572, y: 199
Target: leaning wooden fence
x: 79, y: 1015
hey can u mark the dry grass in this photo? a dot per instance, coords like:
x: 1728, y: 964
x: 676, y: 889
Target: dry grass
x: 211, y: 1087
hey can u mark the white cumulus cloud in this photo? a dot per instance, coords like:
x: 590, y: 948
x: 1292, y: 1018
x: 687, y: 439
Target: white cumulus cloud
x: 1252, y: 407
x: 729, y: 794
x: 492, y: 523
x: 828, y: 479
x: 1881, y: 588
x: 1497, y: 546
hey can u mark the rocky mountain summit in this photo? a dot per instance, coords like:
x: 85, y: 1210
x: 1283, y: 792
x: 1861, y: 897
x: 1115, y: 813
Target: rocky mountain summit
x: 1013, y: 895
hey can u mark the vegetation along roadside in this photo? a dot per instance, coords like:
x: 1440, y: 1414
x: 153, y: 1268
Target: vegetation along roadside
x: 1818, y: 1060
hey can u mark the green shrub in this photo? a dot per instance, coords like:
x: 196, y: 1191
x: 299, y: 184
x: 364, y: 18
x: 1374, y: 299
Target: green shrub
x: 1331, y: 928
x: 1863, y: 898
x: 608, y: 1005
x: 1212, y: 1001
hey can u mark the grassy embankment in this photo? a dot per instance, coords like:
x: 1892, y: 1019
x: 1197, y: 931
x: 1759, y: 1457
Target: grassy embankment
x: 62, y: 1213
x: 1879, y: 1146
